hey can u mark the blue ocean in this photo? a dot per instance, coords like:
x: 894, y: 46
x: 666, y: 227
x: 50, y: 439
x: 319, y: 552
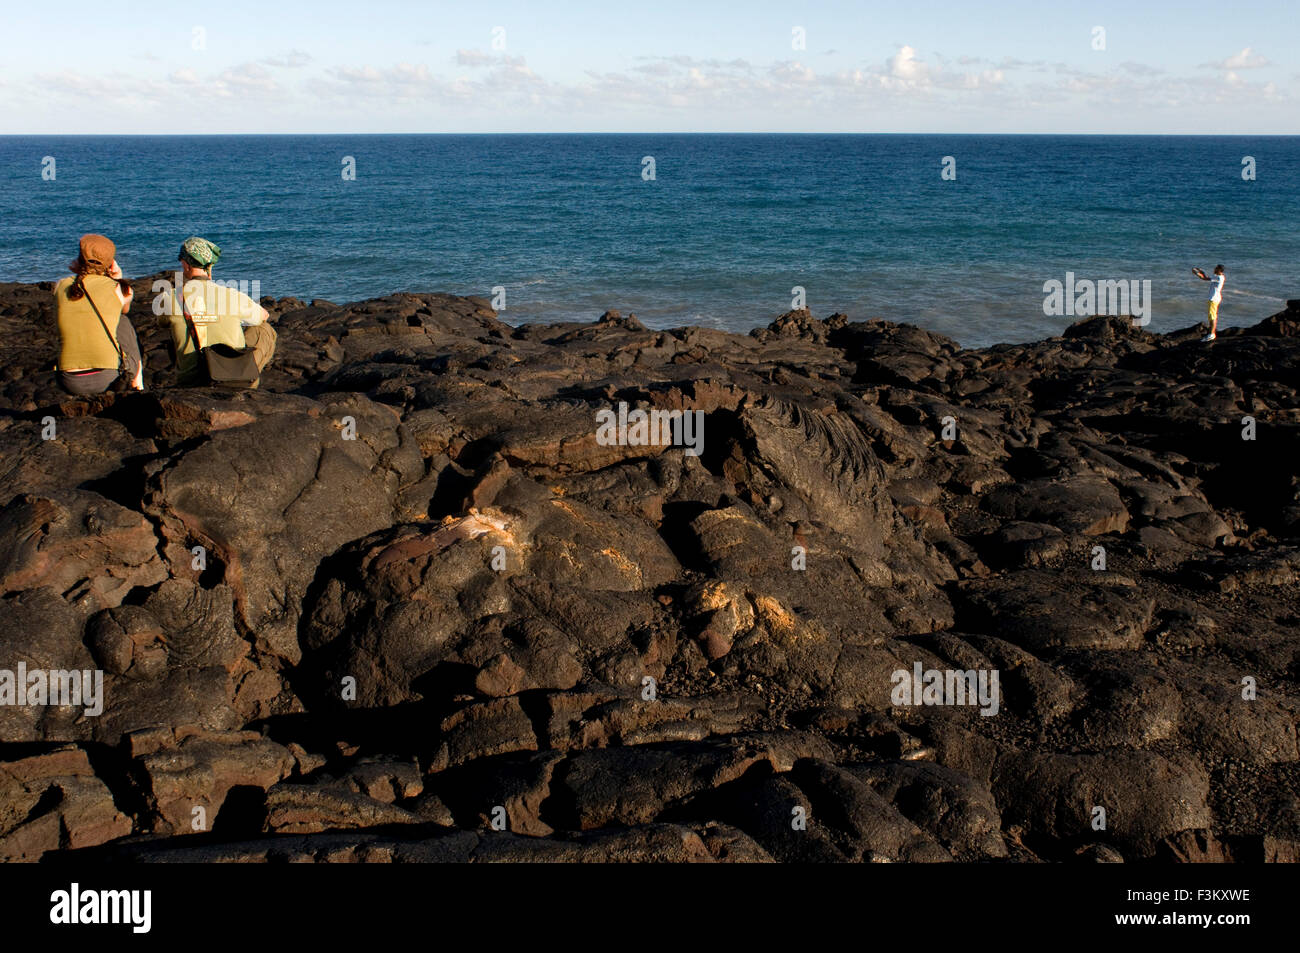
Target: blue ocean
x: 719, y: 235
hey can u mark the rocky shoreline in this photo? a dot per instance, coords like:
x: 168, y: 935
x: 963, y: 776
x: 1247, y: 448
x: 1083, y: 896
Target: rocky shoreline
x: 400, y: 603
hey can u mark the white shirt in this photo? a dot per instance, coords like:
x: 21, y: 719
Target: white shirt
x: 201, y: 295
x: 1216, y: 287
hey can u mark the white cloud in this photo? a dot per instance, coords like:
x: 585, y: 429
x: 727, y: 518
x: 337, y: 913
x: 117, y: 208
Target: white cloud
x: 294, y: 59
x: 473, y: 58
x: 792, y: 72
x: 659, y: 92
x: 1246, y: 59
x: 357, y: 74
x: 243, y: 80
x: 477, y: 58
x: 905, y: 67
x: 904, y: 71
x: 1010, y: 62
x: 1140, y: 69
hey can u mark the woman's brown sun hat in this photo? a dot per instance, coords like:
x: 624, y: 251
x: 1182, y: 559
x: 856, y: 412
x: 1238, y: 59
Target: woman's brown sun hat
x: 96, y: 255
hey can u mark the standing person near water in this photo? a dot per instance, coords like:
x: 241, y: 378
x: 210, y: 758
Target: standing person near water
x: 96, y: 340
x: 1216, y: 295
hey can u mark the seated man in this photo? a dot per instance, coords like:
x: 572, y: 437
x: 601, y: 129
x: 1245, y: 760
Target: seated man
x: 220, y: 315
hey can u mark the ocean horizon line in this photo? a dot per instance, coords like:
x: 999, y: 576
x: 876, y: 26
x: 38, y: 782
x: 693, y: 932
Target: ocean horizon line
x: 552, y: 134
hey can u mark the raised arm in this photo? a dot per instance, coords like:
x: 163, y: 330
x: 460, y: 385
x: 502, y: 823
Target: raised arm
x: 126, y: 297
x: 256, y: 315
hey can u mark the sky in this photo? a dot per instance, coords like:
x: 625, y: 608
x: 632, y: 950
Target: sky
x: 381, y: 66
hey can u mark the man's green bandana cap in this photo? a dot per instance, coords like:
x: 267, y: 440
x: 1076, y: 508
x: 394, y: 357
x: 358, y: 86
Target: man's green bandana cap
x: 200, y: 252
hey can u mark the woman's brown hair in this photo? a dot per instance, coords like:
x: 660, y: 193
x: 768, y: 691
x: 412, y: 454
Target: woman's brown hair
x: 81, y: 268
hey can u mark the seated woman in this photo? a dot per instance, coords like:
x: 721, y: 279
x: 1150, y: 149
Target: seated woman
x: 96, y: 339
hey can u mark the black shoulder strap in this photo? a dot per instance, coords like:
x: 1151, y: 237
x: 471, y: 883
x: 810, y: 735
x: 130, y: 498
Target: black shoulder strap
x: 190, y: 329
x: 121, y: 358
